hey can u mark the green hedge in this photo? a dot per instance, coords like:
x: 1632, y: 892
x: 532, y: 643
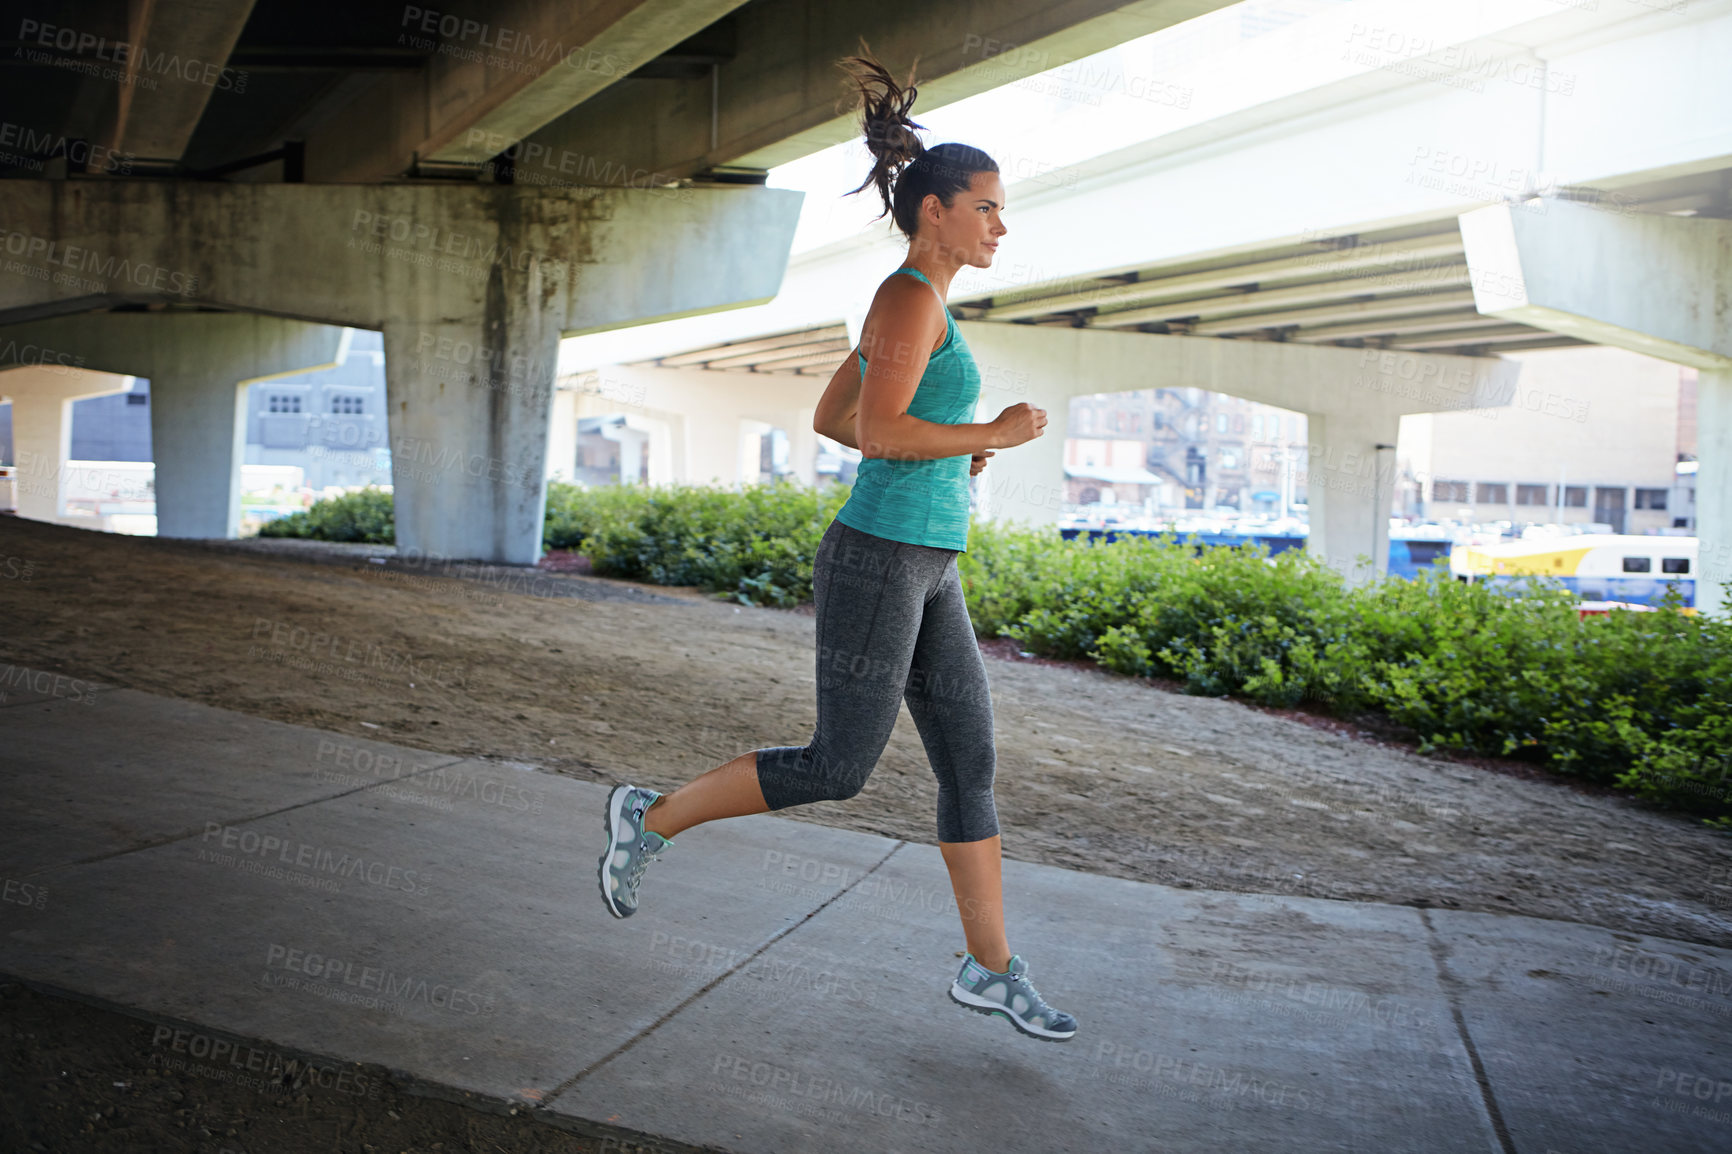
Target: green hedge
x: 364, y: 515
x: 1640, y: 701
x: 754, y: 546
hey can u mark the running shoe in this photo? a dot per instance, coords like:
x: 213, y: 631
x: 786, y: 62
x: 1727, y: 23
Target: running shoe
x: 630, y: 847
x: 1010, y: 995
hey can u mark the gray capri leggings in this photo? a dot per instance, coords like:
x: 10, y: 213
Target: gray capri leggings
x: 892, y: 627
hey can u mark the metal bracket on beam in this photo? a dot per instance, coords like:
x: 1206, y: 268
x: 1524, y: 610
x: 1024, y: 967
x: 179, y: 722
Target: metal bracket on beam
x: 730, y: 174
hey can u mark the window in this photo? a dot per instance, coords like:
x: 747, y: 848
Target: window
x: 1674, y: 564
x: 1638, y: 565
x: 1650, y: 498
x: 1493, y: 493
x: 1229, y: 459
x: 1220, y: 422
x: 285, y: 403
x: 1575, y: 496
x: 1257, y: 426
x: 1533, y: 495
x: 1450, y: 491
x: 346, y: 405
x: 138, y: 398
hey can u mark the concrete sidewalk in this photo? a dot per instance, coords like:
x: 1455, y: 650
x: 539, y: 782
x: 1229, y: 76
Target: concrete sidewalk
x: 783, y: 987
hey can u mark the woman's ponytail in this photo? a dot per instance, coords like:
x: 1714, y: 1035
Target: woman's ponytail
x: 904, y: 170
x: 890, y: 134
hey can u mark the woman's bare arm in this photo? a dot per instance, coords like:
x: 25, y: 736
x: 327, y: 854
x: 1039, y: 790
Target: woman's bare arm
x: 834, y: 416
x: 897, y: 339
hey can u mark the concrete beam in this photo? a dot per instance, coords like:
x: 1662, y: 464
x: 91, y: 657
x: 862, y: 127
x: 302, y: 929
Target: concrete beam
x: 726, y: 410
x: 177, y: 52
x: 472, y: 286
x: 335, y: 254
x: 1353, y: 399
x: 1654, y: 284
x: 492, y: 82
x: 198, y: 365
x: 777, y: 100
x: 42, y: 396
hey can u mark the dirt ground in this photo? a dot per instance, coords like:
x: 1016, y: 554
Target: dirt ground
x: 83, y: 1080
x: 610, y: 680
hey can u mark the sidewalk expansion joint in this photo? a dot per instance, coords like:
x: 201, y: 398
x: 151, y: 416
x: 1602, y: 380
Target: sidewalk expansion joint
x: 547, y: 1102
x: 170, y: 839
x: 1452, y: 987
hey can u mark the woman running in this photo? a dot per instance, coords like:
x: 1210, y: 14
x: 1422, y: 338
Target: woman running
x: 892, y: 624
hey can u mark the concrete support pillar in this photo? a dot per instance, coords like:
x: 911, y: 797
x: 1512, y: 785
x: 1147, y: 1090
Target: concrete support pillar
x: 1714, y: 489
x: 42, y: 399
x: 198, y: 365
x: 803, y: 445
x: 750, y: 435
x: 198, y: 434
x: 662, y: 439
x: 562, y: 437
x: 470, y: 408
x: 1350, y: 485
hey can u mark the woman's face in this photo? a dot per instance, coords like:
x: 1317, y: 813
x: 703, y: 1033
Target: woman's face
x: 967, y: 232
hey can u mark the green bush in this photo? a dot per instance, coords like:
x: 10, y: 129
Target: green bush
x: 364, y: 515
x: 1642, y: 701
x: 754, y: 546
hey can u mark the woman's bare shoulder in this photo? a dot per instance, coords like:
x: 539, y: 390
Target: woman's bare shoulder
x: 906, y: 301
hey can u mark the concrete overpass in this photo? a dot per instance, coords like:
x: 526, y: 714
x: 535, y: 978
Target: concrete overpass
x: 1357, y: 243
x: 476, y: 184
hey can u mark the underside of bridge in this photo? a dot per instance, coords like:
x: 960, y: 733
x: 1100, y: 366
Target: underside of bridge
x: 475, y: 183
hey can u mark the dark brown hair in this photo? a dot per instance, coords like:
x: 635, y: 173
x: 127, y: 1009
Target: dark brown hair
x: 904, y: 170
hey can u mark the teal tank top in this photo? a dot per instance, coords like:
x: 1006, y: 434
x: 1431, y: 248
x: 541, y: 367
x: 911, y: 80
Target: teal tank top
x: 922, y: 502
